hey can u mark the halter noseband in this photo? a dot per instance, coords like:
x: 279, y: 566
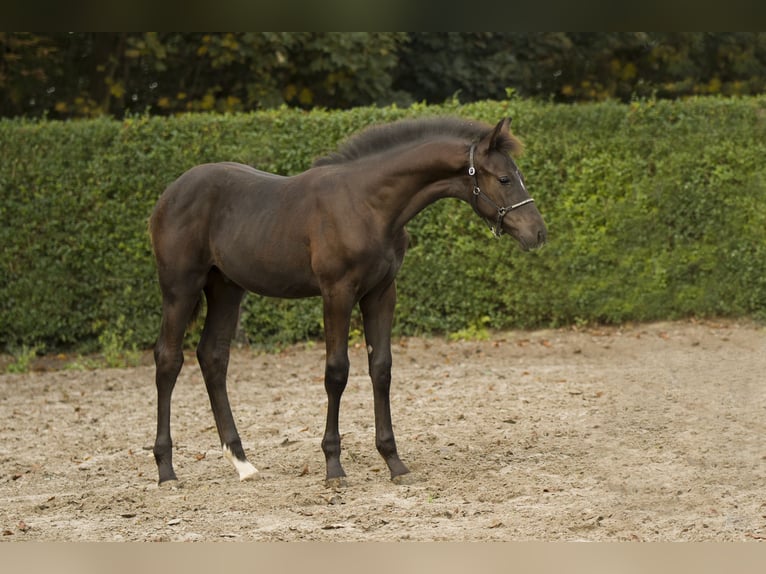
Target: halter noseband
x: 497, y: 228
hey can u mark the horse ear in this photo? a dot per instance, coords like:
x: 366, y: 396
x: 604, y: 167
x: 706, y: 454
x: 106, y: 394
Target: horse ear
x: 496, y: 137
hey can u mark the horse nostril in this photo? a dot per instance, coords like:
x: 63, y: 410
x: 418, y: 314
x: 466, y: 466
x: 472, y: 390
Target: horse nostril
x: 541, y: 236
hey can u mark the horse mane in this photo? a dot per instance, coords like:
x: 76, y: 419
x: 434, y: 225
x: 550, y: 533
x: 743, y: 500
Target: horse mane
x: 384, y: 137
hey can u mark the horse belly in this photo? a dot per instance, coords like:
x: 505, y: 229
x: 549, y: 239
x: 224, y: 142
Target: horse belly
x: 286, y: 276
x: 272, y: 283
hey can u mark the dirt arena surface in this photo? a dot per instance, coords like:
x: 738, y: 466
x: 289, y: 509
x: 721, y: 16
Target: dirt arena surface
x: 639, y: 433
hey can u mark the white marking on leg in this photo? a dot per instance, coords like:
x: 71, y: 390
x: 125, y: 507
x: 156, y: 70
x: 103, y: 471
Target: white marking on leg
x: 369, y: 349
x: 244, y: 468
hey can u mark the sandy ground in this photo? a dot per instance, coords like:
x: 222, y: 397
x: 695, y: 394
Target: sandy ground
x: 639, y: 433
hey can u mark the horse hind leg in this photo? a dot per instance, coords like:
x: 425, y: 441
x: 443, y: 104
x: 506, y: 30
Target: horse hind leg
x: 177, y: 312
x: 337, y: 314
x: 223, y: 302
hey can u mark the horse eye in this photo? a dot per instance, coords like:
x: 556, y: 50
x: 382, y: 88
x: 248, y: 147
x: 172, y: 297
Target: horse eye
x: 504, y: 180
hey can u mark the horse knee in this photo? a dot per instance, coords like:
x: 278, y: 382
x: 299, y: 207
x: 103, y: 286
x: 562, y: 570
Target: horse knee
x: 168, y: 362
x: 336, y: 374
x: 380, y: 371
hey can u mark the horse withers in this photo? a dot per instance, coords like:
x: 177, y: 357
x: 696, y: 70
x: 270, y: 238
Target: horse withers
x: 336, y: 231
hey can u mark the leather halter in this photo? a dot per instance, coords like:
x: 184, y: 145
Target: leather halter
x: 497, y: 228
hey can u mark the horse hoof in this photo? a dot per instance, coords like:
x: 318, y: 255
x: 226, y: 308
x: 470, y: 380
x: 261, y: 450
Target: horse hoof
x: 244, y: 468
x: 250, y: 473
x: 337, y: 482
x: 406, y: 479
x: 170, y: 484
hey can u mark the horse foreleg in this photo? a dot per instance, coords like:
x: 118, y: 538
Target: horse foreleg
x: 337, y: 316
x: 223, y: 300
x: 378, y: 312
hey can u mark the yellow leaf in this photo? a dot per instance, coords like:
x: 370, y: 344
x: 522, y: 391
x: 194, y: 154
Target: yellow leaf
x: 117, y: 90
x: 289, y: 92
x: 629, y: 71
x: 208, y: 102
x: 306, y: 97
x: 232, y: 103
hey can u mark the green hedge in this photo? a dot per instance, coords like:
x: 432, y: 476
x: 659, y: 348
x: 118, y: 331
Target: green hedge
x: 655, y: 210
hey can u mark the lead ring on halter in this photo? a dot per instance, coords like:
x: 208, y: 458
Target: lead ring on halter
x: 497, y: 228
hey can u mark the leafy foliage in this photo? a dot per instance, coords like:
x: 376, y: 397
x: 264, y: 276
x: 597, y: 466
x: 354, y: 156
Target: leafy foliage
x: 79, y: 74
x: 656, y: 209
x: 92, y: 74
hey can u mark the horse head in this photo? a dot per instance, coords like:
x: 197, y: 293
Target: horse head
x: 500, y: 195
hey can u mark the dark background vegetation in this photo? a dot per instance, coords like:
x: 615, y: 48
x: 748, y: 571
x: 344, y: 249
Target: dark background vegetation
x: 68, y: 75
x: 653, y: 183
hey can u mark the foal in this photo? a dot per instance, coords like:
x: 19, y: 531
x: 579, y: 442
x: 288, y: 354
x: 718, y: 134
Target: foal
x: 334, y: 231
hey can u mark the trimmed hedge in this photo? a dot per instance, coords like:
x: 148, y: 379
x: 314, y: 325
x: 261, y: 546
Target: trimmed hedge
x: 655, y: 210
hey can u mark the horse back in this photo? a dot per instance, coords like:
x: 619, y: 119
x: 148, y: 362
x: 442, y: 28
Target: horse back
x: 240, y: 220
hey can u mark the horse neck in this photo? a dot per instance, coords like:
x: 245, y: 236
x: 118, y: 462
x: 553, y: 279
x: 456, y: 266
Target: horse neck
x: 406, y: 181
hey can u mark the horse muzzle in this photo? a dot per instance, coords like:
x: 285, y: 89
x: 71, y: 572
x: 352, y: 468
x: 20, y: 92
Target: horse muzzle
x: 531, y: 238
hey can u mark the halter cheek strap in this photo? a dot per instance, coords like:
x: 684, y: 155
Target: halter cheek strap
x: 497, y: 228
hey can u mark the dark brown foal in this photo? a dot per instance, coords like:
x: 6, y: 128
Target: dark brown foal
x: 335, y: 231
